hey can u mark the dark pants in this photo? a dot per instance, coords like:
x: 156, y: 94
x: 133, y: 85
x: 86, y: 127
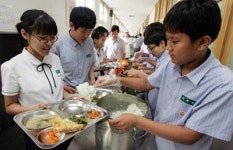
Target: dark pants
x: 30, y: 145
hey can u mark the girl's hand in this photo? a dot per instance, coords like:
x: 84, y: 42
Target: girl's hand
x: 40, y: 106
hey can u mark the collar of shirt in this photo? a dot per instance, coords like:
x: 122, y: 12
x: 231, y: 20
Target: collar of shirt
x: 196, y: 75
x: 32, y: 58
x: 73, y: 42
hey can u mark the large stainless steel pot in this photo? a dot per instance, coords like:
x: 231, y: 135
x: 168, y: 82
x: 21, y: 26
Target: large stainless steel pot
x: 107, y: 138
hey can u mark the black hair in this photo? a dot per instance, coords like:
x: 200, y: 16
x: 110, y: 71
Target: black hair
x: 37, y: 21
x: 152, y: 26
x: 115, y: 28
x: 83, y: 17
x: 195, y: 18
x: 99, y: 32
x: 154, y: 34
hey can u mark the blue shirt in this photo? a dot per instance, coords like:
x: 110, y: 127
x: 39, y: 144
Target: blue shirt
x: 76, y: 59
x: 199, y: 101
x: 153, y: 93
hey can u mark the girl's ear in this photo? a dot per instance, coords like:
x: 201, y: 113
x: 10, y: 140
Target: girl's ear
x: 205, y: 41
x: 24, y: 34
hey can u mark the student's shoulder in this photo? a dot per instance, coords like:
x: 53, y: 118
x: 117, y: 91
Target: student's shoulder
x: 53, y: 56
x: 14, y: 60
x: 221, y: 75
x: 12, y: 63
x: 121, y: 40
x: 224, y: 72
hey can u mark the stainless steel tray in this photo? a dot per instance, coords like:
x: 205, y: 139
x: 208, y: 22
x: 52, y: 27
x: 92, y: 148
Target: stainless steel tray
x: 63, y: 109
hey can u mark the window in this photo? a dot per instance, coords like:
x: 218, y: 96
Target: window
x: 86, y: 3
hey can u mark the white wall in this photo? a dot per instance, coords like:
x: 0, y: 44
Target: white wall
x: 11, y: 10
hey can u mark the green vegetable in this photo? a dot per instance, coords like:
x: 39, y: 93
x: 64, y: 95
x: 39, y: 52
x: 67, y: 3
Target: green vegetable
x: 95, y: 98
x: 79, y: 120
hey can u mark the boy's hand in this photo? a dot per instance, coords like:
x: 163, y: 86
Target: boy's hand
x: 105, y: 80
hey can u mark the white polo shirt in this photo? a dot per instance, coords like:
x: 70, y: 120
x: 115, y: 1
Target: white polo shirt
x: 21, y: 77
x: 114, y: 49
x: 201, y: 100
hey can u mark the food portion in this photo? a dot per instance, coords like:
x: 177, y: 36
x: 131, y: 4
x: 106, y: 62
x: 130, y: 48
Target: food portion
x: 95, y: 99
x: 94, y: 114
x: 48, y: 137
x: 86, y: 91
x: 61, y: 125
x: 124, y: 62
x: 80, y: 119
x: 132, y: 109
x: 39, y: 122
x: 62, y: 121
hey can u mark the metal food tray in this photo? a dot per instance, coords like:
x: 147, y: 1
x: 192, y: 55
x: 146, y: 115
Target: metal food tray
x: 63, y: 110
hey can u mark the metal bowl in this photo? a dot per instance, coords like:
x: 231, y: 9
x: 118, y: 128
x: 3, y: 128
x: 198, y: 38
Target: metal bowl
x: 44, y: 136
x: 39, y: 119
x: 119, y: 101
x: 103, y: 92
x: 73, y: 107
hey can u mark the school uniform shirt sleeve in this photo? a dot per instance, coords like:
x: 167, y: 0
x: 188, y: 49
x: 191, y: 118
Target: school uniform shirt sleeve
x: 10, y: 84
x: 212, y: 115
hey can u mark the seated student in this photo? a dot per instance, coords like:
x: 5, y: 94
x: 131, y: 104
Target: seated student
x: 195, y: 89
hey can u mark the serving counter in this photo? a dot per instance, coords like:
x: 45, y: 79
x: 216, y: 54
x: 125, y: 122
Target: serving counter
x: 87, y: 139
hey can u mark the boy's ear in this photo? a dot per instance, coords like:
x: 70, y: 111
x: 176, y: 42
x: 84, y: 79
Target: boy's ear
x: 162, y: 44
x: 205, y: 41
x: 71, y: 25
x: 94, y: 40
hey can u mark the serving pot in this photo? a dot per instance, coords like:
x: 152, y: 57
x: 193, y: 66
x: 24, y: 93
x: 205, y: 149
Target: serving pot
x: 107, y: 138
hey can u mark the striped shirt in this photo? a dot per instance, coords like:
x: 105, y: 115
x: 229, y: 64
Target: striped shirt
x: 199, y: 101
x: 76, y: 59
x: 153, y: 93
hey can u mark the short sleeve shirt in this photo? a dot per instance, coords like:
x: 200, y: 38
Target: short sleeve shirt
x: 21, y: 77
x: 153, y: 93
x: 199, y: 100
x: 115, y: 48
x: 76, y: 59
